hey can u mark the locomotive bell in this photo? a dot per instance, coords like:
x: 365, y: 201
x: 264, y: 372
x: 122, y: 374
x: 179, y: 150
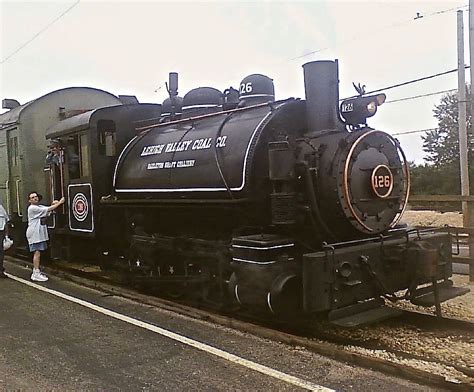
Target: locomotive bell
x: 171, y: 109
x: 231, y: 98
x: 256, y: 88
x: 171, y: 105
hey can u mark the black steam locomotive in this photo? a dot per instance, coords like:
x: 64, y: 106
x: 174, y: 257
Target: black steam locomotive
x: 286, y: 206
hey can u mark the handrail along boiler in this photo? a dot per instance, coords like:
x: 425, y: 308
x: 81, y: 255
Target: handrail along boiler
x: 284, y: 206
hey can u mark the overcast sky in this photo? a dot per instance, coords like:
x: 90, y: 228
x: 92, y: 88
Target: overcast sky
x: 128, y: 47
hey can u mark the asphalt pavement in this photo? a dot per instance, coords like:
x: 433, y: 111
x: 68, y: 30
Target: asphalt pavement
x: 61, y: 336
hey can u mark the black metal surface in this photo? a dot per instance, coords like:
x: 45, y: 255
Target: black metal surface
x: 216, y: 157
x: 181, y: 160
x: 322, y: 95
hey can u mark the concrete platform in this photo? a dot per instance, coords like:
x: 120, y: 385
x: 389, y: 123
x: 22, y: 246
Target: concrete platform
x: 60, y: 336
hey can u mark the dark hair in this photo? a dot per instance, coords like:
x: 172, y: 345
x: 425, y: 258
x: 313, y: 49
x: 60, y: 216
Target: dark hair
x: 40, y: 197
x: 55, y: 142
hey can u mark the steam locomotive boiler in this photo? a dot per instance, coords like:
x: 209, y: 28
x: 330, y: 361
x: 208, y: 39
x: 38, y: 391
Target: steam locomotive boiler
x: 289, y: 206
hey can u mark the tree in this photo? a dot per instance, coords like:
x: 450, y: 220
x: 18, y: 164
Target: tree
x: 429, y: 179
x: 441, y: 174
x: 442, y: 144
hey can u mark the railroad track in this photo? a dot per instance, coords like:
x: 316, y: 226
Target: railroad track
x: 447, y: 324
x: 351, y: 346
x: 432, y: 334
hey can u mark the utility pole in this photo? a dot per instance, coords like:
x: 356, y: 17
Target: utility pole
x: 468, y: 218
x: 462, y: 118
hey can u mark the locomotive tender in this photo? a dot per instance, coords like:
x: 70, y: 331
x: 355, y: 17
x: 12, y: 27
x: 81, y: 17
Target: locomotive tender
x: 286, y: 206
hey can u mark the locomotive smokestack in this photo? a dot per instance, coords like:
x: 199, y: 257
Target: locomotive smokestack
x: 322, y: 94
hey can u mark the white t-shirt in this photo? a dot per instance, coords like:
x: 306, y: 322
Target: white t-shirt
x: 36, y: 232
x: 3, y: 217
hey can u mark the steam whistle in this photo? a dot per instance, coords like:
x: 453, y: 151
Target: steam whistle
x: 172, y: 87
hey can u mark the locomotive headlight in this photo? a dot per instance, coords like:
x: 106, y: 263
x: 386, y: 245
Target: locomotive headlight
x: 371, y: 108
x: 355, y: 111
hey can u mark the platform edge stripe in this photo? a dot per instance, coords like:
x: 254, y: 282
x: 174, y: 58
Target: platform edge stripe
x: 183, y: 339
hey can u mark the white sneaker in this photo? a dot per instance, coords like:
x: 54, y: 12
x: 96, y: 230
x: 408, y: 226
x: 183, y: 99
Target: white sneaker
x: 39, y: 277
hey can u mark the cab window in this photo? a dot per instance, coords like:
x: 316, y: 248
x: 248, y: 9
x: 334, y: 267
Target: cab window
x: 84, y: 155
x: 107, y: 138
x: 77, y: 156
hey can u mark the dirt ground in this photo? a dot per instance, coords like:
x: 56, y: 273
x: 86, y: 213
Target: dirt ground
x: 432, y: 218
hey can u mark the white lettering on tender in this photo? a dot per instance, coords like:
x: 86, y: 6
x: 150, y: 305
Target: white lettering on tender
x: 178, y: 146
x: 198, y: 144
x: 186, y: 163
x: 152, y: 150
x: 171, y: 164
x: 155, y: 165
x: 201, y: 144
x: 220, y: 142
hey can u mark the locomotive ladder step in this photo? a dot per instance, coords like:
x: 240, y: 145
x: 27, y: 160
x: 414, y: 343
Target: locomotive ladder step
x: 362, y: 313
x: 445, y: 293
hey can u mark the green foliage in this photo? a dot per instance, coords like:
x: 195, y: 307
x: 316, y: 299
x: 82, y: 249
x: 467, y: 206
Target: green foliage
x: 441, y: 174
x: 435, y: 180
x: 442, y: 144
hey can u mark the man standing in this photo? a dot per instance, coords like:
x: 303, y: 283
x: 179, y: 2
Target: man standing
x: 37, y: 233
x: 3, y: 233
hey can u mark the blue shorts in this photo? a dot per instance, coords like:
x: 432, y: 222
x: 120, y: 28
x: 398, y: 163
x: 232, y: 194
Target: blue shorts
x: 38, y: 246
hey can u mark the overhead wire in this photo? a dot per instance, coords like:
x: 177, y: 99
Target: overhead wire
x: 397, y: 24
x: 305, y: 55
x: 416, y: 96
x: 421, y: 96
x: 413, y: 80
x: 415, y: 131
x: 410, y: 82
x: 39, y: 32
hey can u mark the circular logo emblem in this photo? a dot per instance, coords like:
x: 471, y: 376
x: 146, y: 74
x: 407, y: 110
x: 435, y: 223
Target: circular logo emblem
x: 382, y: 181
x: 80, y: 207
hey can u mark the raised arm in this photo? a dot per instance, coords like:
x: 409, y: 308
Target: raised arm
x: 56, y: 204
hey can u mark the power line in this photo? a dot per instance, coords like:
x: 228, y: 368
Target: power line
x: 421, y: 96
x: 39, y: 32
x: 362, y: 35
x: 416, y: 131
x: 409, y: 82
x: 449, y: 10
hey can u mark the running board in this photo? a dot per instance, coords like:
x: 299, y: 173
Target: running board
x: 428, y: 298
x: 362, y: 314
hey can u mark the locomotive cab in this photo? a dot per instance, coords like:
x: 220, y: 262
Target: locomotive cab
x: 84, y: 149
